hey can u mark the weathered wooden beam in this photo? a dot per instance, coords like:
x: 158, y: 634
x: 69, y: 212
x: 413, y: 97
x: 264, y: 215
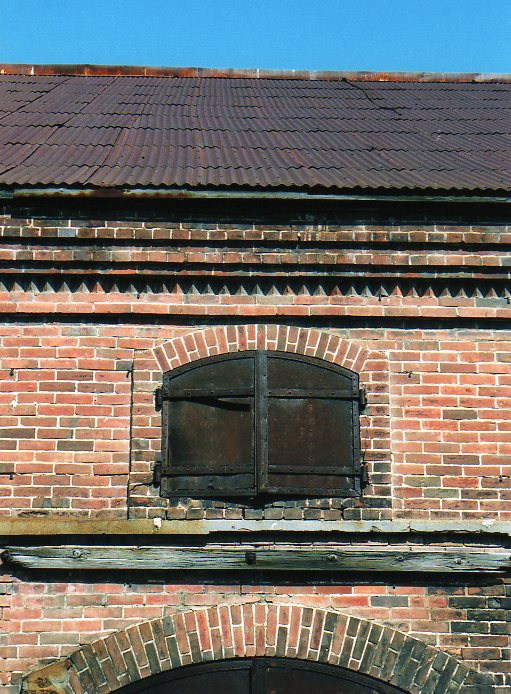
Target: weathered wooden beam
x: 12, y: 527
x: 270, y: 558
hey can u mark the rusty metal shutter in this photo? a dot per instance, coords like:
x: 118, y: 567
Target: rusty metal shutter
x: 267, y: 423
x: 208, y: 436
x: 312, y: 415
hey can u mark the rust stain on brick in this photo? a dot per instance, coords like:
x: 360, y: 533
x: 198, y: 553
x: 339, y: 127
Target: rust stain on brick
x: 52, y: 679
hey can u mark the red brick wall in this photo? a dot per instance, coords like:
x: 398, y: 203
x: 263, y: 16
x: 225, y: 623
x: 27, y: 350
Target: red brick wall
x: 85, y: 304
x: 65, y: 398
x: 48, y: 620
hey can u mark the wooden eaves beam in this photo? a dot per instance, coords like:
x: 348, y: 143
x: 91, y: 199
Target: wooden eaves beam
x: 326, y: 557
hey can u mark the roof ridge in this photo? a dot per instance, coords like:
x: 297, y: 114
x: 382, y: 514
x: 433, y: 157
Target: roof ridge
x: 89, y: 70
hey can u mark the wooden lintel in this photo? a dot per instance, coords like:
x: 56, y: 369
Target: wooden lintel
x: 47, y: 526
x: 331, y: 557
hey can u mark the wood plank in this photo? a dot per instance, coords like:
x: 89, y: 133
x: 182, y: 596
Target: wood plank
x: 269, y: 558
x: 12, y: 527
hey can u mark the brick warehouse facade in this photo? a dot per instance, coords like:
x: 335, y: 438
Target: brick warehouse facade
x: 102, y: 297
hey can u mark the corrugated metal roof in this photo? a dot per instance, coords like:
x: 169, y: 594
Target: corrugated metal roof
x: 132, y: 131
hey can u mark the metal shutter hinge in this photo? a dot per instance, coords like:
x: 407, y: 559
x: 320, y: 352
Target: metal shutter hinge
x: 364, y: 476
x: 362, y: 398
x: 158, y: 399
x: 157, y: 473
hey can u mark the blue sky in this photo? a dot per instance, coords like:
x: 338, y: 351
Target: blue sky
x: 410, y: 35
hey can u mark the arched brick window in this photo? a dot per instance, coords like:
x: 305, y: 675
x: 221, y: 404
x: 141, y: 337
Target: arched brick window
x: 254, y: 423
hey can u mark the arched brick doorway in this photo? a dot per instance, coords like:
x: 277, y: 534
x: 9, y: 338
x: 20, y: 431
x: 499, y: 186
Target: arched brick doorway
x: 257, y: 630
x: 260, y: 676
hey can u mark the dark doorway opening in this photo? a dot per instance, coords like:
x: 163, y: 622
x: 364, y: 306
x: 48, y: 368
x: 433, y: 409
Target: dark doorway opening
x: 260, y: 676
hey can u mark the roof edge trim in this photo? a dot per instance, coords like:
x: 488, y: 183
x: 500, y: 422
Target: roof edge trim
x: 90, y: 70
x: 209, y: 194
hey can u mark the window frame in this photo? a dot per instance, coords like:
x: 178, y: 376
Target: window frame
x: 260, y: 396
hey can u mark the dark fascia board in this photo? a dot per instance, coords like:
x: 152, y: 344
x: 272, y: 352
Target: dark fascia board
x: 242, y: 194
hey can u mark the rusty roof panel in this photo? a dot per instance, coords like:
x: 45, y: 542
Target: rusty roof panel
x: 111, y: 131
x: 133, y: 71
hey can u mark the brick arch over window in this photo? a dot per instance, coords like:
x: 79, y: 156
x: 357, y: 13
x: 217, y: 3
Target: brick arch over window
x: 222, y: 340
x: 251, y: 630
